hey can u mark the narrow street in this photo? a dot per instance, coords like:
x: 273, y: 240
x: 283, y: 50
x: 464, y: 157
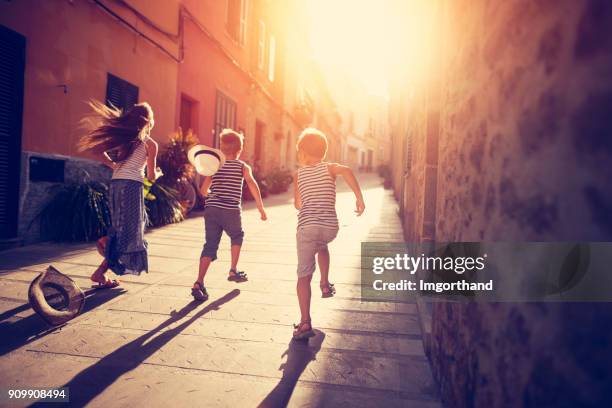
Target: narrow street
x: 149, y: 344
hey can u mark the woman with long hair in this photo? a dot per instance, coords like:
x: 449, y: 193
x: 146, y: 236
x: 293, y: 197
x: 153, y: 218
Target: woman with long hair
x: 124, y: 139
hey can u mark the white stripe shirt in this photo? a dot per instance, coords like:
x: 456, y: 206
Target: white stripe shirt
x: 226, y: 186
x: 317, y: 189
x: 133, y: 167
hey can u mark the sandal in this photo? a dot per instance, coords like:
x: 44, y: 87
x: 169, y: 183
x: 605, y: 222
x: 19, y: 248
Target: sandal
x: 300, y: 333
x: 198, y: 291
x: 327, y: 290
x: 237, y: 276
x: 108, y: 284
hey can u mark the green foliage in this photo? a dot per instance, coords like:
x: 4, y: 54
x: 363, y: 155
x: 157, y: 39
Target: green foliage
x: 384, y: 171
x: 178, y: 172
x: 279, y: 180
x: 173, y: 159
x: 77, y: 212
x: 165, y: 208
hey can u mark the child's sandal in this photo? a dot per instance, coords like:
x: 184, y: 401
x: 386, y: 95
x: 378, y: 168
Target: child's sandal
x: 300, y: 333
x: 237, y: 276
x: 199, y: 293
x: 328, y: 290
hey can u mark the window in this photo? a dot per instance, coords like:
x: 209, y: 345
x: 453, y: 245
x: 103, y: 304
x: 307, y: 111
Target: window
x: 188, y: 115
x: 243, y: 21
x: 120, y: 93
x: 261, y: 46
x: 236, y: 19
x: 272, y: 55
x: 225, y: 115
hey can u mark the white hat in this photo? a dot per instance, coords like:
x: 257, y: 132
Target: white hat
x: 206, y: 160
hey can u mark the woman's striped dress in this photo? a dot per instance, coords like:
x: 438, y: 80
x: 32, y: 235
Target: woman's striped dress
x: 317, y: 188
x: 226, y: 186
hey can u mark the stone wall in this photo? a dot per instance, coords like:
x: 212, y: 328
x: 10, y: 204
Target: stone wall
x: 524, y: 152
x: 34, y: 195
x: 525, y: 139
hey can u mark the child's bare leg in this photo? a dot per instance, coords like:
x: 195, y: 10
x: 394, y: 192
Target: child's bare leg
x: 101, y: 245
x: 204, y: 264
x: 99, y: 274
x: 235, y: 250
x: 323, y: 261
x: 303, y: 293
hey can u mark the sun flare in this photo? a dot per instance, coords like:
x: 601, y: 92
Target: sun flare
x: 368, y: 39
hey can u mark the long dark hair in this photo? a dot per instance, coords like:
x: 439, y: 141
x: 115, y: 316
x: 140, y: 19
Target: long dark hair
x: 114, y: 132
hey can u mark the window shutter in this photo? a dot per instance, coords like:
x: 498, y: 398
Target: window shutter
x: 12, y: 63
x: 120, y: 93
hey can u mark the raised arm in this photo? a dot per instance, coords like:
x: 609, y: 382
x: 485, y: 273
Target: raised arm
x: 347, y: 174
x: 254, y: 188
x: 297, y: 200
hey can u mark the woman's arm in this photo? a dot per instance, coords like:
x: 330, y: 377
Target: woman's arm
x: 106, y: 160
x: 347, y: 174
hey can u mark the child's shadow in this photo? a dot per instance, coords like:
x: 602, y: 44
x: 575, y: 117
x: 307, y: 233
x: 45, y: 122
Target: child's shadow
x: 299, y: 355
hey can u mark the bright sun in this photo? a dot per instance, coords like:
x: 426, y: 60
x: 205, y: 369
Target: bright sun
x: 366, y: 39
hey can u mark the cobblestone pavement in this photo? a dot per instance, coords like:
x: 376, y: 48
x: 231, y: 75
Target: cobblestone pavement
x: 148, y: 344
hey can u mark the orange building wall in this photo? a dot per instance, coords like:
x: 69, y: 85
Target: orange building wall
x: 205, y: 70
x: 75, y: 44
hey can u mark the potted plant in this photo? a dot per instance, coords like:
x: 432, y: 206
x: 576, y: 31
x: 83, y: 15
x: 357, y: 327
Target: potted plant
x: 278, y: 180
x: 179, y: 174
x: 76, y: 212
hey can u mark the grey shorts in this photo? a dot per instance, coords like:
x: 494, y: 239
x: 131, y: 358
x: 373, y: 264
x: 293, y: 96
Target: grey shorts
x: 217, y: 220
x: 311, y: 240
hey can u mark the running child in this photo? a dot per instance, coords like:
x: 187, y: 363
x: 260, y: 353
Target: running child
x: 123, y: 137
x: 315, y: 198
x: 222, y: 210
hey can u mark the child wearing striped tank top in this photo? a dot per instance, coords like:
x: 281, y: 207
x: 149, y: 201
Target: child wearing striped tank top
x: 315, y: 198
x: 222, y: 210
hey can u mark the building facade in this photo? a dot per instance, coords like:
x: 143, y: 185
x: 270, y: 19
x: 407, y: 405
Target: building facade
x: 202, y: 65
x: 502, y: 134
x: 71, y: 52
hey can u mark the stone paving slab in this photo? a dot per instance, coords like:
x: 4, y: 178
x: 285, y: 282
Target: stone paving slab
x: 262, y: 285
x: 236, y: 311
x: 147, y: 343
x: 372, y: 343
x: 183, y: 292
x: 229, y: 356
x: 186, y: 387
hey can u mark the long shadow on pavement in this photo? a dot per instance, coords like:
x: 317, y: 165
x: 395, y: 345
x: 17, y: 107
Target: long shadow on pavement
x: 93, y: 380
x: 299, y: 355
x: 18, y: 333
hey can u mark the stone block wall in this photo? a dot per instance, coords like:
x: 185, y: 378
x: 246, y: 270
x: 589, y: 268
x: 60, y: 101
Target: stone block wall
x: 525, y: 141
x: 524, y: 153
x: 34, y: 195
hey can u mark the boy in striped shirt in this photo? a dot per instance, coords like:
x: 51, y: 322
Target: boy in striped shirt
x: 315, y: 197
x: 222, y: 211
